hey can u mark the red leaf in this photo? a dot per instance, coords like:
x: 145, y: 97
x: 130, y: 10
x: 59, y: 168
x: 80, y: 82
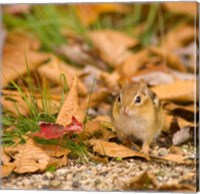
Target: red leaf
x: 75, y: 125
x: 54, y: 130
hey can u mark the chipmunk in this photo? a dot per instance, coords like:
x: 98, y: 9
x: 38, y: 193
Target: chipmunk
x: 137, y: 114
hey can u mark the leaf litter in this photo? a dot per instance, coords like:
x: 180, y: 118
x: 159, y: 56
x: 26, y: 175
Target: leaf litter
x: 82, y: 110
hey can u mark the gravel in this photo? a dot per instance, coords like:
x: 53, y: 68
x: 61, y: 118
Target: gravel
x: 111, y: 176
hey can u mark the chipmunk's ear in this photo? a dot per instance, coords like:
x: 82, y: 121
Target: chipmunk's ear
x: 143, y: 83
x: 144, y: 88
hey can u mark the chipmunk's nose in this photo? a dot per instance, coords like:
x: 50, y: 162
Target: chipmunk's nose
x: 125, y: 111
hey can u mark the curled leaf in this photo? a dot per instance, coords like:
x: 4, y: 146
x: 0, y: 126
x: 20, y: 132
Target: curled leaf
x: 70, y: 107
x: 111, y: 149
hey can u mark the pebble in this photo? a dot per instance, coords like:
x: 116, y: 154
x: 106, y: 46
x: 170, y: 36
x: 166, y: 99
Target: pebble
x: 48, y: 175
x: 163, y: 152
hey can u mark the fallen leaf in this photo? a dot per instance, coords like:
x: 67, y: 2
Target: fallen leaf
x: 110, y: 81
x: 178, y: 121
x: 111, y: 149
x: 168, y: 57
x: 6, y: 170
x: 15, y: 64
x: 28, y: 157
x: 55, y: 68
x: 21, y: 41
x: 155, y: 78
x: 177, y: 187
x: 89, y: 13
x: 133, y: 63
x: 179, y: 37
x: 98, y: 159
x: 189, y: 8
x: 14, y: 104
x: 70, y: 107
x: 112, y: 45
x: 177, y: 158
x: 4, y: 157
x: 57, y: 154
x: 89, y: 129
x: 19, y: 53
x: 170, y: 106
x: 76, y: 53
x: 58, y: 162
x: 182, y: 76
x: 54, y: 150
x: 94, y: 99
x: 54, y: 130
x: 145, y: 180
x: 181, y: 91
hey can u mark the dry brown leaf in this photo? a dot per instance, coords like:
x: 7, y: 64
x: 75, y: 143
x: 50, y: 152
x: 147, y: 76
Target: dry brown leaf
x: 88, y: 13
x: 145, y: 180
x: 133, y: 63
x: 58, y: 162
x: 70, y: 107
x: 19, y: 52
x: 177, y: 187
x: 4, y: 157
x: 15, y: 64
x: 14, y: 104
x: 181, y: 36
x: 57, y: 154
x: 6, y: 170
x: 112, y: 45
x: 52, y: 105
x: 182, y: 91
x: 90, y: 128
x: 171, y: 59
x: 54, y: 150
x: 94, y: 99
x: 53, y: 70
x: 180, y: 121
x: 110, y: 80
x: 151, y: 73
x: 170, y: 106
x: 100, y: 159
x: 155, y: 78
x: 28, y: 157
x: 189, y: 8
x: 180, y: 159
x: 76, y: 53
x: 21, y: 41
x: 111, y: 149
x: 95, y: 128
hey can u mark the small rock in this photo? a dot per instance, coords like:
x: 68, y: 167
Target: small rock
x: 49, y: 175
x: 54, y: 183
x: 163, y: 152
x: 76, y: 184
x: 154, y: 152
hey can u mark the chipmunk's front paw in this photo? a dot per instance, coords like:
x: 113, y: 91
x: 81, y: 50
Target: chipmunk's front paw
x: 145, y: 149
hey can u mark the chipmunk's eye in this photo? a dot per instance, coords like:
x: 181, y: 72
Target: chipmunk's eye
x: 137, y: 99
x: 119, y: 99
